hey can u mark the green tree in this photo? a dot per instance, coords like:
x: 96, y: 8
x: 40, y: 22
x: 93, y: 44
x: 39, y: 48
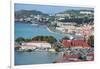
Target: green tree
x: 20, y: 40
x: 27, y: 40
x: 49, y: 39
x: 91, y: 41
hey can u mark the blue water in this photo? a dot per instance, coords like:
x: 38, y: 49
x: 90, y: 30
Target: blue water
x: 26, y: 58
x: 29, y: 31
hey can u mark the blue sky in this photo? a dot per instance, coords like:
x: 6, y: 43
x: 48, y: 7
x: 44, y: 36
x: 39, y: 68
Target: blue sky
x: 45, y: 8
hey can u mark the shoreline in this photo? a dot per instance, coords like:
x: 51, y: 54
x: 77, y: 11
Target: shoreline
x: 49, y: 30
x: 55, y: 32
x: 68, y: 35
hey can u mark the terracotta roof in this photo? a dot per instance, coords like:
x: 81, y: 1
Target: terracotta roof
x: 74, y: 43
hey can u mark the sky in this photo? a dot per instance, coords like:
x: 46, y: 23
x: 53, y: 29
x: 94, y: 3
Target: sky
x: 46, y: 8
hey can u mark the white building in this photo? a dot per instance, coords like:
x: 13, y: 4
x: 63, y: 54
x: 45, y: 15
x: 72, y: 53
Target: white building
x: 60, y: 29
x: 62, y: 15
x: 28, y: 19
x: 85, y: 12
x: 64, y: 24
x: 26, y: 47
x: 66, y: 27
x: 38, y: 17
x: 38, y: 44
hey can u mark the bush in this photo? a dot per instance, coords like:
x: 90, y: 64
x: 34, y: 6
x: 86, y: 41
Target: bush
x: 91, y: 41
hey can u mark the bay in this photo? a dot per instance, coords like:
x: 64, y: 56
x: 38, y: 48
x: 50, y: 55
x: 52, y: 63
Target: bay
x: 30, y: 31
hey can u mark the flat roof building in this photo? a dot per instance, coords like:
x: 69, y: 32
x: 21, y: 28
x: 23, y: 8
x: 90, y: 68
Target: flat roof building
x: 38, y: 44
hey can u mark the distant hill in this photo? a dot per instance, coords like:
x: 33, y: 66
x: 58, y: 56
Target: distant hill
x: 76, y: 11
x: 27, y: 13
x: 75, y: 16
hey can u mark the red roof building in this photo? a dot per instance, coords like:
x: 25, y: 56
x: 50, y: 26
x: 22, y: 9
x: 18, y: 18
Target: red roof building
x: 75, y: 43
